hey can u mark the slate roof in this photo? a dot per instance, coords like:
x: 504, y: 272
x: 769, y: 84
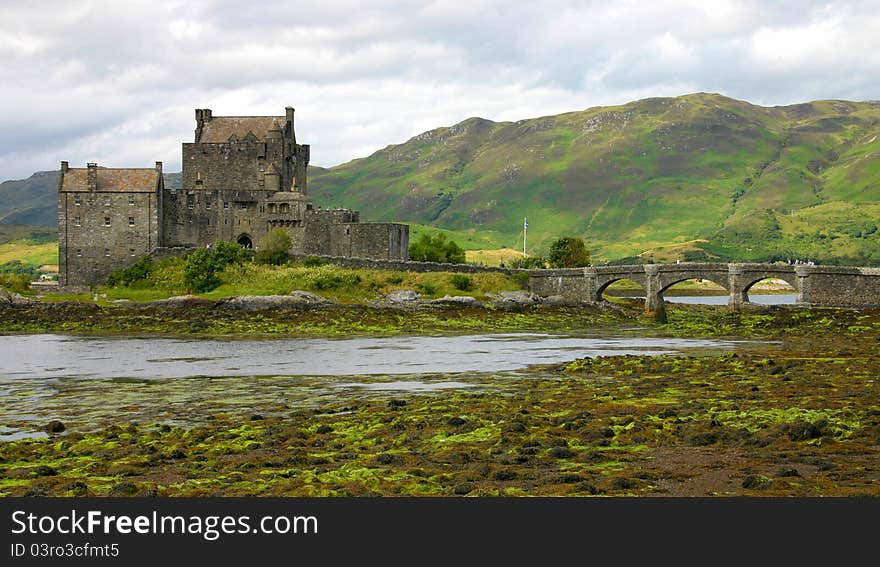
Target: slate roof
x: 127, y: 180
x: 220, y: 128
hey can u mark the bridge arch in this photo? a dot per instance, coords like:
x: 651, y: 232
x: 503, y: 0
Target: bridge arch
x: 605, y: 283
x: 790, y: 279
x: 715, y: 279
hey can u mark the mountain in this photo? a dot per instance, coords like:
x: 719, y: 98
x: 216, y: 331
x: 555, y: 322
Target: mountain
x: 689, y: 177
x: 692, y: 177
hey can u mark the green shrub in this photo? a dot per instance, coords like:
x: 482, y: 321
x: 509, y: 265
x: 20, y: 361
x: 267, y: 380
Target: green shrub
x: 137, y: 272
x: 313, y: 262
x: 394, y: 280
x: 19, y: 283
x: 275, y: 249
x: 227, y: 253
x: 436, y: 249
x: 426, y: 288
x: 18, y: 267
x: 522, y: 279
x: 335, y: 281
x: 202, y: 266
x: 461, y: 282
x: 529, y: 263
x: 569, y: 252
x: 199, y: 272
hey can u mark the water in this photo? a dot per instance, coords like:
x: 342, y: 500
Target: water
x: 58, y: 356
x: 88, y: 383
x: 766, y: 299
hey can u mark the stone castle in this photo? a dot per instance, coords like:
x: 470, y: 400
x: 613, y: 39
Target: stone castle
x: 243, y: 177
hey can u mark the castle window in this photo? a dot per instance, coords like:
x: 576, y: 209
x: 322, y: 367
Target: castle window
x: 130, y: 221
x: 271, y: 207
x: 107, y: 201
x: 106, y: 221
x: 131, y: 199
x: 77, y: 200
x: 79, y: 252
x: 207, y: 205
x: 131, y: 251
x: 106, y: 252
x: 190, y: 202
x: 225, y: 205
x: 283, y: 208
x: 244, y: 206
x: 77, y: 221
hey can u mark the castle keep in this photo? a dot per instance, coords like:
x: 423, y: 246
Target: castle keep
x: 243, y: 176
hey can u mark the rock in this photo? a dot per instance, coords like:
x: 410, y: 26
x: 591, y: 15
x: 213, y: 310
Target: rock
x: 44, y: 470
x: 463, y: 488
x: 307, y: 297
x: 623, y: 483
x: 513, y: 298
x: 459, y: 299
x: 504, y: 474
x: 455, y: 421
x: 261, y: 302
x: 179, y: 300
x: 12, y: 298
x: 402, y: 296
x: 123, y: 489
x: 561, y: 453
x: 756, y: 482
x: 384, y: 459
x: 787, y: 472
x: 703, y: 439
x: 558, y: 300
x: 55, y: 426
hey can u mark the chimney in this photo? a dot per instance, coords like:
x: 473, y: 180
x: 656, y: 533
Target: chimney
x: 159, y: 167
x: 64, y: 166
x: 289, y: 112
x: 93, y: 176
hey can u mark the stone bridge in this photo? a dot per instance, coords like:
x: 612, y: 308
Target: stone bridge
x: 835, y: 286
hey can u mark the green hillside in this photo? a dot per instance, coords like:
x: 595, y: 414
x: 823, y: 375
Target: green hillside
x: 799, y: 181
x: 692, y: 177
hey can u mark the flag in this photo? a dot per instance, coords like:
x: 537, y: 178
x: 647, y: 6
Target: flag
x: 525, y: 224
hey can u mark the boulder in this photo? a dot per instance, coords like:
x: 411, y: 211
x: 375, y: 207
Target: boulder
x: 12, y: 298
x: 402, y: 296
x: 259, y: 302
x: 461, y: 299
x: 515, y: 298
x: 307, y: 297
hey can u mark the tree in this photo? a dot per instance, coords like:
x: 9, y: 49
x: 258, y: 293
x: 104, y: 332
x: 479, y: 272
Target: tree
x: 569, y: 252
x: 200, y: 270
x: 436, y: 249
x: 275, y: 249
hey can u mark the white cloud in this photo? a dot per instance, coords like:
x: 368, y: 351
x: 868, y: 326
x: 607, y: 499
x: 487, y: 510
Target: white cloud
x: 117, y: 82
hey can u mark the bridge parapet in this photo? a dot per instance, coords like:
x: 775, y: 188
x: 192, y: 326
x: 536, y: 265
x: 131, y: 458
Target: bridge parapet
x: 816, y: 285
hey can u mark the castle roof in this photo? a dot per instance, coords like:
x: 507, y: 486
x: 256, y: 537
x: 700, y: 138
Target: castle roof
x: 220, y: 129
x: 128, y: 180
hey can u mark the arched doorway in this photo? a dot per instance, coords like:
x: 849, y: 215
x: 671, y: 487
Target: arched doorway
x: 245, y: 241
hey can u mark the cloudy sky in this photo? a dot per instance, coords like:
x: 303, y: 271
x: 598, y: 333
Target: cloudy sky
x: 116, y: 82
